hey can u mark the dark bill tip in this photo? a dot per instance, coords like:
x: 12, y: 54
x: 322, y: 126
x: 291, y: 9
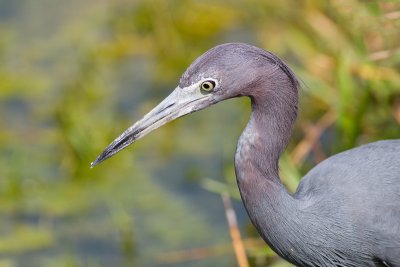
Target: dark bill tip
x: 102, y: 157
x: 117, y: 145
x: 99, y: 159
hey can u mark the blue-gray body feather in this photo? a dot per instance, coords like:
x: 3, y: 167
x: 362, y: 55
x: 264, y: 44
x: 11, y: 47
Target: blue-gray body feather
x: 356, y: 194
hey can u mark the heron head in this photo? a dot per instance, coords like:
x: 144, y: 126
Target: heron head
x: 225, y: 71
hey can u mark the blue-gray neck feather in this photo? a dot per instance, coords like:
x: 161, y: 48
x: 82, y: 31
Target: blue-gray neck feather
x: 294, y: 233
x: 301, y: 227
x: 271, y: 208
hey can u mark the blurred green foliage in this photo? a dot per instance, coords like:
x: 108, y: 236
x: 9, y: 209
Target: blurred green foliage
x: 74, y: 74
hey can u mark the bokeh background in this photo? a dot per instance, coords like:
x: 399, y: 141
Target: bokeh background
x: 75, y: 74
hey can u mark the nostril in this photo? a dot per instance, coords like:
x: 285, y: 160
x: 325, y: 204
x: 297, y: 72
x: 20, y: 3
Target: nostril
x: 161, y: 110
x: 170, y: 105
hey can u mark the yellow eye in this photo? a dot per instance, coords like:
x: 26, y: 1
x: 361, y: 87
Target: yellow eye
x: 207, y: 86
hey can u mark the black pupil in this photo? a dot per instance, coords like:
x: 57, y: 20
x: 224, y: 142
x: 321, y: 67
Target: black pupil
x: 206, y: 86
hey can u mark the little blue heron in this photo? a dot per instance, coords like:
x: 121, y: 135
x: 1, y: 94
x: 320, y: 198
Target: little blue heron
x: 345, y: 211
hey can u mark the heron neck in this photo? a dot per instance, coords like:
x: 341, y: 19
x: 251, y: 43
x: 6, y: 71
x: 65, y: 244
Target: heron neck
x: 265, y: 137
x: 271, y: 208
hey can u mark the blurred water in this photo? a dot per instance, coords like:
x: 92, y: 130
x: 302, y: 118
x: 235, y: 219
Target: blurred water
x: 88, y: 231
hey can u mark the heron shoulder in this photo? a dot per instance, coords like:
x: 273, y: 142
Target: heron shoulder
x: 360, y: 188
x: 371, y: 168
